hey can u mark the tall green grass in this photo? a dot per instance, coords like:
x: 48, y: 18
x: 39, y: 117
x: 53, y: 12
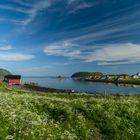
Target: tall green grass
x: 49, y: 116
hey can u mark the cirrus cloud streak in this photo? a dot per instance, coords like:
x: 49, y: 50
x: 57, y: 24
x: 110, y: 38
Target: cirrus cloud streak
x: 15, y: 57
x: 116, y: 54
x: 112, y: 54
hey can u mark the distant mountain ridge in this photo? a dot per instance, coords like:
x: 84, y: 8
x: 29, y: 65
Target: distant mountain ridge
x: 4, y: 72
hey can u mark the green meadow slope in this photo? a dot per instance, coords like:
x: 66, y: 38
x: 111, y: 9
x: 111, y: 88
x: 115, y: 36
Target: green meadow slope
x: 31, y: 116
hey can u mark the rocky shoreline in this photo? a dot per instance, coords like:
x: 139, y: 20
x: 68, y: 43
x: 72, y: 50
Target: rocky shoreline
x: 45, y: 89
x: 129, y: 82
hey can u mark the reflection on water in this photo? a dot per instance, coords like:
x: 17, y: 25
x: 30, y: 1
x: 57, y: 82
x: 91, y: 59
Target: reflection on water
x: 81, y: 86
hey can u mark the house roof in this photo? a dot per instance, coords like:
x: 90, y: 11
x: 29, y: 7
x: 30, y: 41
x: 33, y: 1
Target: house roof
x: 13, y: 76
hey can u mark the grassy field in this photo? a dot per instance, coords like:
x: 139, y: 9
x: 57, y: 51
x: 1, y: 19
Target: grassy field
x: 28, y: 116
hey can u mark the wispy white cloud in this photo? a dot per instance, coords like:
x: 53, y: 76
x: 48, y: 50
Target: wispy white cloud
x: 104, y: 30
x: 75, y: 5
x: 117, y: 28
x: 44, y: 4
x: 14, y: 21
x: 13, y: 8
x: 30, y: 9
x: 23, y: 3
x: 15, y: 57
x: 5, y: 47
x: 37, y: 7
x: 64, y: 48
x: 115, y: 54
x: 112, y: 54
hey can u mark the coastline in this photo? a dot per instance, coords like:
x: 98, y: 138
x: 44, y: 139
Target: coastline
x: 80, y: 85
x: 128, y: 82
x: 46, y: 89
x: 108, y: 78
x: 41, y: 89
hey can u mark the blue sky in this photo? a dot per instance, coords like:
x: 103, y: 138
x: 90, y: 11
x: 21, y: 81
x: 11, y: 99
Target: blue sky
x: 60, y: 37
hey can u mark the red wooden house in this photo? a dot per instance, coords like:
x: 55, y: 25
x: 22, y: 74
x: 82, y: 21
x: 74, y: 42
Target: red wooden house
x: 13, y: 79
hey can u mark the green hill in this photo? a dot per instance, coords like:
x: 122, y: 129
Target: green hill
x: 4, y: 72
x: 85, y: 74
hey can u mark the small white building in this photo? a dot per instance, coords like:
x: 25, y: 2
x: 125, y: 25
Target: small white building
x: 136, y: 76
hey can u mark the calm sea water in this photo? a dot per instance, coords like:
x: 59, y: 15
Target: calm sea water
x: 82, y: 86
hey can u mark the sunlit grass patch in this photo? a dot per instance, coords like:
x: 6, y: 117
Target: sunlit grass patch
x: 68, y: 117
